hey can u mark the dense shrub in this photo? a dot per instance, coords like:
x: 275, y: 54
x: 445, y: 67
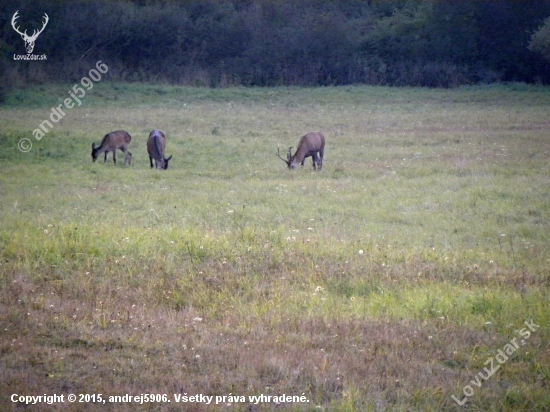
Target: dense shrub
x: 434, y: 43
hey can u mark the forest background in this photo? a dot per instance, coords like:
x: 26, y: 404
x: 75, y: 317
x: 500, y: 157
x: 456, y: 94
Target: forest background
x: 430, y: 43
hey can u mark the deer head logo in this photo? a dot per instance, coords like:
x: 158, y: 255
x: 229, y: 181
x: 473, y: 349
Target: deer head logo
x: 29, y: 40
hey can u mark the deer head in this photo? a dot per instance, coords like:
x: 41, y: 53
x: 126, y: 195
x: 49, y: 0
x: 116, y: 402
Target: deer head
x: 288, y: 156
x: 29, y: 40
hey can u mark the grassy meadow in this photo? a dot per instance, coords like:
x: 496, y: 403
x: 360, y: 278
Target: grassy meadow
x: 385, y: 282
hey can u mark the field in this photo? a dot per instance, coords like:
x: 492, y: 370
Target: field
x: 398, y: 277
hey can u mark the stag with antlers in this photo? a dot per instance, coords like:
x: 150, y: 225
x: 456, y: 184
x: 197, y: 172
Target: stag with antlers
x: 29, y: 40
x: 312, y: 144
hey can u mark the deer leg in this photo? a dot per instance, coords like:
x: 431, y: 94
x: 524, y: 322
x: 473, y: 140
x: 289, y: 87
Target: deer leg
x: 314, y: 160
x: 114, y: 156
x: 127, y: 156
x: 320, y: 162
x: 105, y: 159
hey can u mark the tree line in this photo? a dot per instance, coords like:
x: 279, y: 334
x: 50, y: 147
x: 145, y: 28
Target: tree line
x: 219, y: 43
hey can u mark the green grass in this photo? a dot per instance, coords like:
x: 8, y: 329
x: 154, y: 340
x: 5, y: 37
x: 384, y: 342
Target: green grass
x: 382, y: 283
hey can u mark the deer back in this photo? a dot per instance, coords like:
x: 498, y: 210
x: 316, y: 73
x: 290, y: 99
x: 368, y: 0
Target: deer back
x: 117, y: 139
x: 310, y: 143
x: 156, y: 145
x: 111, y: 142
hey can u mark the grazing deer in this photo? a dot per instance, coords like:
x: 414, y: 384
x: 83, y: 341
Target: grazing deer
x: 312, y: 144
x: 29, y: 40
x: 156, y: 144
x: 110, y: 143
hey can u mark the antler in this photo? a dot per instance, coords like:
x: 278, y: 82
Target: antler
x: 15, y: 17
x: 280, y: 156
x: 35, y: 33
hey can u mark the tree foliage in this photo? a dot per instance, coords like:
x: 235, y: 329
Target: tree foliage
x: 434, y: 43
x: 540, y: 41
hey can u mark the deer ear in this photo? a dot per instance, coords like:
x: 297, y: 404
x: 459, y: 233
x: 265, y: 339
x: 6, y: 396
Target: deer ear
x: 93, y: 145
x: 169, y: 158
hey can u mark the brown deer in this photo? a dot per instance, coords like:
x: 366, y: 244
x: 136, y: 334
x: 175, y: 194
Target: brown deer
x: 156, y: 145
x: 29, y: 40
x: 110, y: 143
x: 312, y: 144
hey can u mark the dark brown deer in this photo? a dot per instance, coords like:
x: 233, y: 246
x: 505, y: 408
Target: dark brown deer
x: 156, y: 144
x: 110, y: 143
x: 312, y: 144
